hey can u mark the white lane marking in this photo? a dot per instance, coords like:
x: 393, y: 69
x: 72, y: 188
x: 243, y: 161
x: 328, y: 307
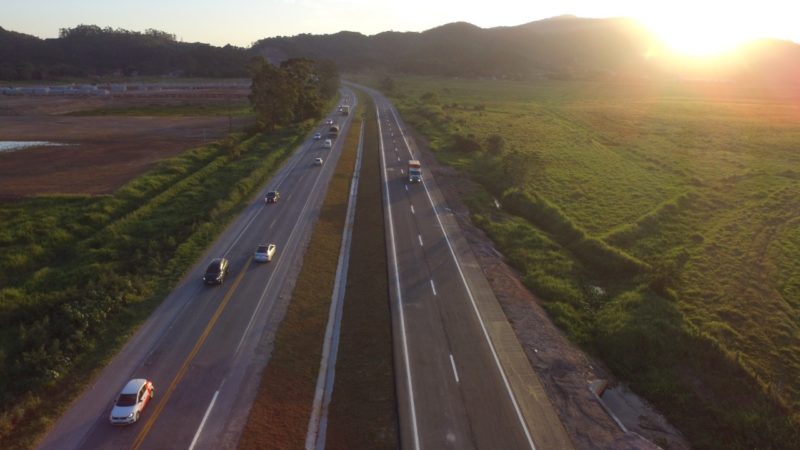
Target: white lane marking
x: 433, y: 287
x: 419, y: 236
x: 398, y: 158
x: 203, y: 422
x: 453, y: 363
x: 388, y: 203
x: 412, y: 206
x: 402, y: 171
x: 406, y: 186
x: 273, y: 223
x: 474, y: 305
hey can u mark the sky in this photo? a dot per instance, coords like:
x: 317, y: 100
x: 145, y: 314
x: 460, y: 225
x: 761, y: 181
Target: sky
x: 696, y: 26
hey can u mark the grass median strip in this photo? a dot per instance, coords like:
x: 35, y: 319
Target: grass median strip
x: 279, y: 415
x: 363, y: 410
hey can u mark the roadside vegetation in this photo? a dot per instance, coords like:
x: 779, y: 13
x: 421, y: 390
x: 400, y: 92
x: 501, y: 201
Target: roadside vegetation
x: 658, y: 222
x: 79, y: 273
x: 363, y: 410
x: 280, y: 413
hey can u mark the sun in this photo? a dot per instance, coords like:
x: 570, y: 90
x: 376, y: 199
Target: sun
x: 700, y: 41
x: 704, y: 29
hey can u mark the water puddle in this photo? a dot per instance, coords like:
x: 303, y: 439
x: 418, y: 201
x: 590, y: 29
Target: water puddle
x: 12, y: 146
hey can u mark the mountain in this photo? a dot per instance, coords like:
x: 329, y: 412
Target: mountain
x: 559, y: 44
x: 563, y: 47
x: 559, y: 47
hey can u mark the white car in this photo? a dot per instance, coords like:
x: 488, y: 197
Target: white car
x: 131, y: 401
x: 317, y: 136
x: 318, y: 161
x: 265, y: 252
x: 327, y: 143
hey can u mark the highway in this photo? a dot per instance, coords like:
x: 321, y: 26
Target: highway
x: 205, y: 347
x: 463, y: 380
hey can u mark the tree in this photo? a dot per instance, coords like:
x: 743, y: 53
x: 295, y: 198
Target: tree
x: 305, y: 81
x: 293, y: 92
x: 272, y: 95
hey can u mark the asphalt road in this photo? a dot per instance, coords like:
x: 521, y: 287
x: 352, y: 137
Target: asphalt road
x: 205, y: 347
x: 463, y: 380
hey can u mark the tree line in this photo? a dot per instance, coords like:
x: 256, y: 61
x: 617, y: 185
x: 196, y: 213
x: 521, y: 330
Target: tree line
x: 295, y: 91
x: 89, y: 50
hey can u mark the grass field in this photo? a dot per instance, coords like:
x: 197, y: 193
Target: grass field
x: 659, y: 222
x: 79, y: 273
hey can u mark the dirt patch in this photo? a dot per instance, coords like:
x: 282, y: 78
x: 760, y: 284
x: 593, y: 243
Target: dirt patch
x: 102, y: 153
x: 563, y: 368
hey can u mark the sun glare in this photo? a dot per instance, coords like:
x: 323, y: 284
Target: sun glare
x: 705, y: 29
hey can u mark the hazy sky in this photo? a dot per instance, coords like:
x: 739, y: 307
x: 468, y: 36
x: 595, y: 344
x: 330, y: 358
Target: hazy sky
x: 241, y: 22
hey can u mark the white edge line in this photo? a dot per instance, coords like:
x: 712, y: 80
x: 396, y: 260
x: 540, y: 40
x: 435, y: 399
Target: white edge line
x: 388, y: 203
x: 203, y: 423
x: 472, y: 300
x: 455, y: 371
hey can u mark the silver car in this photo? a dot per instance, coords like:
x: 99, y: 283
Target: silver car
x: 131, y: 401
x: 265, y: 252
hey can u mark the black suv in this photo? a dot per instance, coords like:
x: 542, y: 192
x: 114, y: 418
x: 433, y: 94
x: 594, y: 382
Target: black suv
x: 215, y: 274
x: 272, y: 197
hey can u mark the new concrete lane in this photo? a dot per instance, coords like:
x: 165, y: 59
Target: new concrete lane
x: 205, y: 347
x: 452, y: 385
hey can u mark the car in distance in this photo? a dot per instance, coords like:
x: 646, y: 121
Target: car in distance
x: 317, y: 136
x: 272, y: 197
x: 327, y: 143
x: 329, y: 122
x: 318, y: 161
x: 131, y: 401
x: 265, y: 252
x: 216, y: 271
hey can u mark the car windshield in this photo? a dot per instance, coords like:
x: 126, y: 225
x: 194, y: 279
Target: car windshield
x: 262, y: 249
x: 270, y: 194
x: 126, y: 400
x: 213, y: 268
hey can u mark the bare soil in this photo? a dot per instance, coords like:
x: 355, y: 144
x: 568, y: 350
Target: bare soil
x: 563, y: 368
x: 103, y: 152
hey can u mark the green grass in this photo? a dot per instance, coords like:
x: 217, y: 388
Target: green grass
x: 363, y: 410
x: 179, y: 110
x: 80, y: 273
x: 658, y: 222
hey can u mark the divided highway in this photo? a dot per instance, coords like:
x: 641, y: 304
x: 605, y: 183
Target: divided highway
x: 204, y: 348
x: 463, y: 380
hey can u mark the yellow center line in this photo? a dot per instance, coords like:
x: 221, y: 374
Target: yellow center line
x: 157, y: 411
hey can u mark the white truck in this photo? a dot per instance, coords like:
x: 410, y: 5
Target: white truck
x: 414, y: 171
x: 344, y: 109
